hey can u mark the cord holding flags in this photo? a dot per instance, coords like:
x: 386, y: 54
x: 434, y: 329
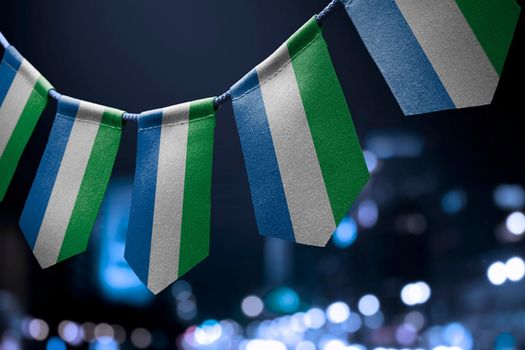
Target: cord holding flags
x: 302, y: 155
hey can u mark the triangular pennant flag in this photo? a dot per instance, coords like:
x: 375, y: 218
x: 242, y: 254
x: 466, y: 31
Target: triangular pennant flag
x: 23, y: 97
x: 169, y: 223
x: 437, y: 55
x: 302, y: 155
x: 64, y: 200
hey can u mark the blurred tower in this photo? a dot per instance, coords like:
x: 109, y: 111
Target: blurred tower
x: 278, y: 262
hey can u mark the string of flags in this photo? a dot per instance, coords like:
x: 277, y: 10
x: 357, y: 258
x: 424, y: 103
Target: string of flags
x: 302, y: 154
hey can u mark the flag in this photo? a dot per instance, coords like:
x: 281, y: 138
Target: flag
x: 64, y: 200
x: 23, y: 97
x: 169, y: 224
x: 437, y: 55
x: 304, y: 163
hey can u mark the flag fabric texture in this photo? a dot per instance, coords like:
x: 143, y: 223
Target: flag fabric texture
x: 64, y: 200
x: 437, y: 55
x: 169, y: 223
x: 23, y: 97
x: 304, y: 162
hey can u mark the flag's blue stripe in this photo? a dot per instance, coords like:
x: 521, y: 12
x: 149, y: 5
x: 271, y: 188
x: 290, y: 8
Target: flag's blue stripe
x: 13, y: 58
x: 38, y: 198
x: 269, y: 201
x: 138, y: 242
x: 8, y: 73
x: 399, y: 56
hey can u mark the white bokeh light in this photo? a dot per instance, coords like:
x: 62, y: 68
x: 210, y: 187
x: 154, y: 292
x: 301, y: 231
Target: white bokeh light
x: 516, y: 223
x: 208, y: 332
x: 38, y: 329
x: 338, y: 312
x: 515, y: 269
x: 314, y: 318
x: 260, y: 344
x: 368, y: 305
x: 334, y: 344
x: 424, y: 290
x: 70, y: 332
x: 305, y: 345
x: 252, y: 306
x: 497, y: 273
x: 415, y: 293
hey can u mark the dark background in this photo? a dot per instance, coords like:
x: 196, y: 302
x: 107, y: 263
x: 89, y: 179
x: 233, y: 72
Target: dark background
x: 139, y: 55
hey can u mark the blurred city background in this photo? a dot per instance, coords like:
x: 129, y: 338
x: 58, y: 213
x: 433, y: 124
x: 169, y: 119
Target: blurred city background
x: 431, y: 255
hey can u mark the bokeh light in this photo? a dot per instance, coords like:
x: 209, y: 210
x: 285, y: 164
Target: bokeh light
x: 368, y: 305
x: 416, y: 319
x: 314, y: 318
x: 208, y: 332
x: 375, y: 321
x: 516, y: 223
x: 338, y: 312
x: 55, y: 343
x: 38, y: 329
x: 454, y: 201
x: 367, y: 213
x: 252, y: 306
x: 334, y: 344
x: 283, y: 300
x: 515, y: 269
x: 406, y: 334
x: 305, y: 345
x: 345, y: 234
x: 141, y: 338
x: 415, y: 293
x: 104, y: 332
x: 509, y: 197
x: 371, y: 160
x: 497, y: 273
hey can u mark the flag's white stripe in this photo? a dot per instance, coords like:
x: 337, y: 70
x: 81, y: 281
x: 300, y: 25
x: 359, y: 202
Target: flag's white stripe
x: 305, y: 191
x: 67, y: 185
x: 169, y: 196
x: 15, y: 101
x: 452, y: 48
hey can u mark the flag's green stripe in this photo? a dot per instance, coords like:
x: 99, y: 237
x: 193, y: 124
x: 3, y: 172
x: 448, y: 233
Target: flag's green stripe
x: 335, y: 140
x: 43, y: 86
x: 195, y: 227
x: 493, y: 22
x: 21, y: 134
x: 94, y: 183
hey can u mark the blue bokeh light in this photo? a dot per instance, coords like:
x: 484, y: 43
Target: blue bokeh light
x: 505, y: 341
x: 509, y: 197
x: 345, y: 234
x: 283, y: 300
x: 395, y: 144
x: 117, y: 280
x: 55, y: 343
x: 454, y: 201
x: 105, y: 345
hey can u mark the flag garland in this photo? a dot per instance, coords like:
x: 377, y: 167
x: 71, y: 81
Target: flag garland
x: 437, y: 55
x: 302, y: 155
x: 67, y: 192
x: 169, y: 225
x: 23, y: 97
